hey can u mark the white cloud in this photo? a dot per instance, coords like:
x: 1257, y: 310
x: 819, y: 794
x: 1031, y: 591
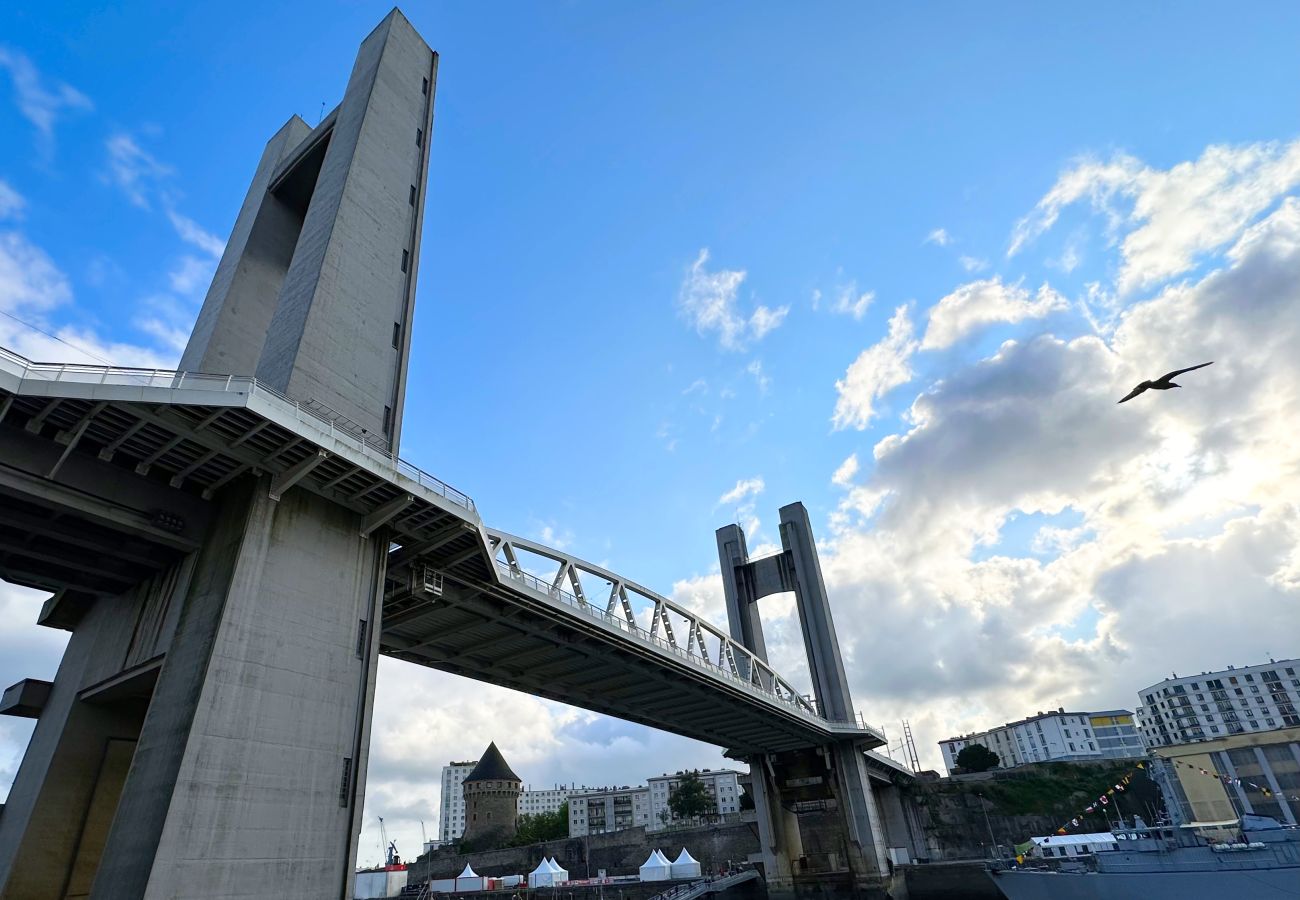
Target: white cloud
x: 698, y: 386
x: 708, y: 301
x: 938, y: 236
x: 973, y: 263
x: 133, y: 169
x: 193, y: 233
x: 1035, y: 429
x: 1172, y: 217
x: 29, y: 279
x: 851, y: 303
x: 977, y: 304
x: 843, y: 476
x: 755, y: 370
x: 40, y: 103
x: 877, y: 370
x: 12, y: 203
x: 31, y: 288
x: 745, y: 488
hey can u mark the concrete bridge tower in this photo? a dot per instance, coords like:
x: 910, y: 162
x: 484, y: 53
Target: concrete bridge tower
x: 826, y: 787
x: 207, y: 731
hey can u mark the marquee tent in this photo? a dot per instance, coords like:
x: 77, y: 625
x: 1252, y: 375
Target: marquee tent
x: 656, y: 868
x: 685, y: 866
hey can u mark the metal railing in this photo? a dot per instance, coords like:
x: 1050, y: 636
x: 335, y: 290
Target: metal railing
x: 794, y: 702
x: 375, y: 448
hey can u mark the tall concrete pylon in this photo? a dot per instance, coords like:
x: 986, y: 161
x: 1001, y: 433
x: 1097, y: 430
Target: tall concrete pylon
x: 836, y: 772
x: 206, y: 734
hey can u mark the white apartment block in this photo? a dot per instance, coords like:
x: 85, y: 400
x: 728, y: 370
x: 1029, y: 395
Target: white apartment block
x: 1218, y: 704
x: 723, y: 785
x: 451, y: 825
x: 602, y: 810
x: 1054, y: 736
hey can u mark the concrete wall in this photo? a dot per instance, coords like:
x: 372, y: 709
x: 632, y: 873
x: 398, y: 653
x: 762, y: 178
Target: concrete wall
x: 331, y: 339
x: 238, y: 780
x: 227, y: 338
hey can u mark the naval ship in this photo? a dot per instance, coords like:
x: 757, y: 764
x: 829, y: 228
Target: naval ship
x: 1262, y: 862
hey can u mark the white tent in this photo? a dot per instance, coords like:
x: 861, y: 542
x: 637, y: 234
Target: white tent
x: 561, y: 873
x: 685, y: 866
x: 656, y: 868
x: 469, y: 880
x: 542, y: 876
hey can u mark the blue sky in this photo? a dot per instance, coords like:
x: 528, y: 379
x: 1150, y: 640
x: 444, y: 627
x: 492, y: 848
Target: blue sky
x: 656, y: 238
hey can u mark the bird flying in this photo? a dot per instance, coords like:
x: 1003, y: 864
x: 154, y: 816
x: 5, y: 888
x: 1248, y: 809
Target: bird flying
x: 1163, y: 383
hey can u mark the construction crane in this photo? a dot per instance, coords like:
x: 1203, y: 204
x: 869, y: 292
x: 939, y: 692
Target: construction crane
x: 390, y: 847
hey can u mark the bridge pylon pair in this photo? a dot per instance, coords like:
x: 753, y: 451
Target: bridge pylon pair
x: 817, y: 813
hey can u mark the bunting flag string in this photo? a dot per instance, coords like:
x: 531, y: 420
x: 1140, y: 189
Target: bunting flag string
x: 1231, y: 781
x: 1101, y: 801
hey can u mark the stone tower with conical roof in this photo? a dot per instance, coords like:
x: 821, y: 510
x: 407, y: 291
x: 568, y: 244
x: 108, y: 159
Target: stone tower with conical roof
x: 491, y: 799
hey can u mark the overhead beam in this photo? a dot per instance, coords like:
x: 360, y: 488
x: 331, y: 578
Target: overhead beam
x: 385, y: 513
x: 295, y: 473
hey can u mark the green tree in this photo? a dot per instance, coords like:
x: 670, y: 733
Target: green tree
x: 746, y: 799
x: 689, y: 799
x: 540, y: 827
x: 977, y: 758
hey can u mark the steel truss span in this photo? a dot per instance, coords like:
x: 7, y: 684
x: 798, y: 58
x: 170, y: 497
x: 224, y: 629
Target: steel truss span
x: 459, y: 597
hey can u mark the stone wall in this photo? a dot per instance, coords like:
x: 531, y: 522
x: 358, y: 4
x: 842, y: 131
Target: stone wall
x: 619, y: 853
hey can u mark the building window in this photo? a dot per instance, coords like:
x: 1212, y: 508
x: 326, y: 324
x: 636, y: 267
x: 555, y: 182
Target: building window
x: 388, y: 418
x: 397, y: 333
x: 411, y: 200
x: 419, y: 137
x: 406, y: 260
x: 424, y: 88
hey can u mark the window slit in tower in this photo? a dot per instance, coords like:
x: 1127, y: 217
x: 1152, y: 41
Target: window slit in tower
x: 406, y: 259
x: 419, y: 137
x: 412, y: 199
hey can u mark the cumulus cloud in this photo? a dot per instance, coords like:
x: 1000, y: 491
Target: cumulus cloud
x: 938, y: 236
x: 1170, y: 218
x: 1192, y: 498
x: 41, y: 103
x: 708, y: 301
x: 877, y: 370
x: 974, y: 305
x: 844, y: 474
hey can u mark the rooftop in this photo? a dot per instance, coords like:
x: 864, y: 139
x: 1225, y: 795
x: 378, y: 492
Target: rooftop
x: 492, y: 767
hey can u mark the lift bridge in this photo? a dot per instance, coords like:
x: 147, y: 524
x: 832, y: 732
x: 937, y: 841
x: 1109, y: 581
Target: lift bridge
x: 459, y: 596
x: 234, y: 545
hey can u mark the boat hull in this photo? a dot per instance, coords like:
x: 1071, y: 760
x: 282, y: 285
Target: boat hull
x: 1257, y: 884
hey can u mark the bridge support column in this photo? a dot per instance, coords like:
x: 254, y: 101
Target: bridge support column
x: 248, y: 768
x: 829, y: 784
x: 778, y: 828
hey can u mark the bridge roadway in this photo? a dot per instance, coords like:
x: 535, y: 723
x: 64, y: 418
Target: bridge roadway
x: 105, y: 474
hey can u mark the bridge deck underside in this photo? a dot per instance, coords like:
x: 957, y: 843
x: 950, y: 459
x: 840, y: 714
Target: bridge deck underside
x: 483, y: 627
x: 498, y: 636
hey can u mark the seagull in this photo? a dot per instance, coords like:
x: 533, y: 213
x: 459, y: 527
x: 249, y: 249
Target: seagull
x: 1163, y: 383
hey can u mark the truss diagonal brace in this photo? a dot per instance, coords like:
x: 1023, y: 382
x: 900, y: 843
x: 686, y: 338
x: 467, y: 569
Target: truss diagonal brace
x: 295, y: 473
x: 385, y: 513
